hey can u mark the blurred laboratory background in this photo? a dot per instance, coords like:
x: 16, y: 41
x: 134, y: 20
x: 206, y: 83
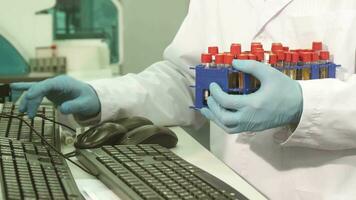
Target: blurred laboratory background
x: 84, y: 38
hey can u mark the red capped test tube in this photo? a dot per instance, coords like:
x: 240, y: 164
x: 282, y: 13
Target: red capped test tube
x: 219, y: 60
x: 235, y: 49
x: 272, y: 59
x: 287, y: 62
x: 207, y: 60
x: 213, y: 50
x: 254, y: 82
x: 233, y: 76
x: 324, y: 60
x: 260, y: 54
x: 317, y: 46
x: 276, y: 47
x: 280, y: 61
x: 255, y: 46
x: 294, y: 63
x: 240, y: 82
x: 306, y: 58
x: 228, y: 58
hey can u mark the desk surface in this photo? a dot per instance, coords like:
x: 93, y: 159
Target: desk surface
x: 190, y: 150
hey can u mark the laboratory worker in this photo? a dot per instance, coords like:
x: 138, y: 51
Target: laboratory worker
x: 291, y: 140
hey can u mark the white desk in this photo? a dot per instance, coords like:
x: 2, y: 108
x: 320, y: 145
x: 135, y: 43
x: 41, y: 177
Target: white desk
x: 190, y: 150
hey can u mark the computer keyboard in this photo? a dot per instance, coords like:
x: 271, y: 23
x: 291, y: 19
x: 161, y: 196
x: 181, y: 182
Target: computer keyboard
x: 152, y: 172
x: 16, y: 129
x: 31, y: 171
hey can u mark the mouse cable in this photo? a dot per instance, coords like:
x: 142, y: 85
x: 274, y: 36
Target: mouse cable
x: 51, y: 120
x: 71, y: 154
x: 45, y: 141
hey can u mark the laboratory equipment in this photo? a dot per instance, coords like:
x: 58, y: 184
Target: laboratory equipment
x: 151, y: 171
x: 298, y: 64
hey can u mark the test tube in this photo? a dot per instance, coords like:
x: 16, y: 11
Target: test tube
x: 287, y: 62
x: 315, y: 61
x: 235, y: 49
x: 306, y: 61
x: 272, y: 59
x: 260, y: 54
x: 280, y: 61
x: 324, y: 60
x: 219, y: 60
x: 228, y: 58
x: 240, y: 79
x: 317, y: 46
x: 255, y: 83
x: 276, y: 47
x: 213, y: 50
x: 206, y: 60
x: 255, y: 46
x: 294, y: 62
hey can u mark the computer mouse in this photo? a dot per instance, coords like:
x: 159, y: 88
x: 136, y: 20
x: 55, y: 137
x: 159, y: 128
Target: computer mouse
x: 104, y: 134
x: 133, y: 122
x: 150, y: 134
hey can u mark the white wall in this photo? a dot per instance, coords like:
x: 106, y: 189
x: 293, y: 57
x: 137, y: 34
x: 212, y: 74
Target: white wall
x: 24, y: 29
x: 148, y: 27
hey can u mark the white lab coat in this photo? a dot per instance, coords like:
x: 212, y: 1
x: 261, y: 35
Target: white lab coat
x: 317, y: 160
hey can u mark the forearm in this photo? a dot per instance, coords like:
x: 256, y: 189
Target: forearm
x: 160, y: 93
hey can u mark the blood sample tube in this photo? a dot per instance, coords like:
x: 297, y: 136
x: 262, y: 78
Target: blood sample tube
x: 233, y: 76
x: 306, y: 61
x: 287, y: 62
x: 260, y: 54
x: 235, y: 49
x: 256, y: 45
x: 206, y: 60
x: 240, y: 80
x: 228, y: 58
x: 254, y: 81
x: 272, y: 59
x: 315, y: 61
x: 294, y: 62
x: 213, y: 50
x: 317, y: 46
x: 280, y: 61
x: 324, y: 60
x: 219, y: 60
x: 276, y: 47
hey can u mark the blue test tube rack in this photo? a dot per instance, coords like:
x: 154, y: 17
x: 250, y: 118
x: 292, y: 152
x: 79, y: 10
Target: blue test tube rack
x: 205, y: 76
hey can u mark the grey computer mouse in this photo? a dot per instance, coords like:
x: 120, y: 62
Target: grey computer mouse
x: 133, y: 122
x: 150, y: 134
x: 104, y: 134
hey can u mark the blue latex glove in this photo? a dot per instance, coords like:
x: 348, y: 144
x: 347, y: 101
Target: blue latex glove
x: 277, y: 102
x: 72, y: 96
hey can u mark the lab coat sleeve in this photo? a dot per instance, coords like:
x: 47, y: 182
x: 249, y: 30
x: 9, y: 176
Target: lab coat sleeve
x: 328, y: 120
x: 160, y: 93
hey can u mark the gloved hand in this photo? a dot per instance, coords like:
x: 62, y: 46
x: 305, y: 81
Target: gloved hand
x: 72, y: 96
x: 277, y: 102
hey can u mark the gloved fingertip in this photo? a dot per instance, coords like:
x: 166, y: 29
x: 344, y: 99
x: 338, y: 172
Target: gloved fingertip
x: 65, y: 109
x: 214, y: 87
